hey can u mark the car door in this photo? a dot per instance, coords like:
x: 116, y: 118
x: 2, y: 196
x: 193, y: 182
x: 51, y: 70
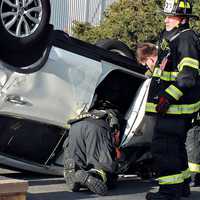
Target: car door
x: 135, y: 117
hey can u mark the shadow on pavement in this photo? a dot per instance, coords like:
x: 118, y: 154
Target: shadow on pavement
x: 126, y: 189
x: 132, y: 186
x: 54, y: 188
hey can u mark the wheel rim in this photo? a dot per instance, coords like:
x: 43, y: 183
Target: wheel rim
x: 21, y: 17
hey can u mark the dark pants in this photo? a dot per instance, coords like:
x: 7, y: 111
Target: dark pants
x: 193, y: 151
x: 193, y: 145
x: 91, y: 145
x: 168, y: 147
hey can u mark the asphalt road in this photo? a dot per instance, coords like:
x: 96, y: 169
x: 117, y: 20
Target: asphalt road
x: 53, y: 188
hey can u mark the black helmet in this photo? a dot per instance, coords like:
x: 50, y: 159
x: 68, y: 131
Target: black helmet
x: 179, y: 8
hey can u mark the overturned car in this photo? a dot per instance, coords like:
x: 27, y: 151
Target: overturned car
x: 48, y: 78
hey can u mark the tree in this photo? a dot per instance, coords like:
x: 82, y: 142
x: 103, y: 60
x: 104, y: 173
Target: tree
x: 196, y: 10
x: 130, y: 21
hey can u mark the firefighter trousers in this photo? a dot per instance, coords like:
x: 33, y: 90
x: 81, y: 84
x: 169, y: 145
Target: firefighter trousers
x: 169, y: 151
x: 91, y: 145
x: 193, y: 151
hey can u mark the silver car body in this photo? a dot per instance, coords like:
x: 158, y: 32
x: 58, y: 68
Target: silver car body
x: 59, y: 91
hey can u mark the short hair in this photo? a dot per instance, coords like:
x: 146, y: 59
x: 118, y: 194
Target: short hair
x: 145, y: 50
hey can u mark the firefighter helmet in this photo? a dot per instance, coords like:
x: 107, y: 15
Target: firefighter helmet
x: 179, y: 8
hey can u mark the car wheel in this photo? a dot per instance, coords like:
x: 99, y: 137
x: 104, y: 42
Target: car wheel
x: 115, y: 46
x: 23, y: 23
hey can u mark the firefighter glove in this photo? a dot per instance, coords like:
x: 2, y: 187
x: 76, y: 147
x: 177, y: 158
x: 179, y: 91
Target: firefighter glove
x: 163, y: 105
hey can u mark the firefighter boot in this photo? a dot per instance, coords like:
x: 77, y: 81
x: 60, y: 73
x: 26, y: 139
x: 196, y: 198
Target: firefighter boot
x: 69, y: 175
x: 167, y: 192
x: 186, y: 188
x: 94, y: 180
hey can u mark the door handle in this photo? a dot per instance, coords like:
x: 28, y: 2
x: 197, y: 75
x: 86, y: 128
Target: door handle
x: 15, y: 99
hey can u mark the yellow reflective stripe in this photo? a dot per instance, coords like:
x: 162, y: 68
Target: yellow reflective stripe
x: 186, y: 174
x: 182, y: 4
x: 173, y: 179
x: 148, y: 73
x: 150, y: 107
x: 194, y: 167
x: 176, y: 109
x: 164, y: 75
x: 174, y: 75
x: 174, y: 92
x: 101, y: 173
x: 157, y: 72
x: 189, y: 62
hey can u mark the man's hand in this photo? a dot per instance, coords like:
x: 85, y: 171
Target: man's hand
x: 163, y: 105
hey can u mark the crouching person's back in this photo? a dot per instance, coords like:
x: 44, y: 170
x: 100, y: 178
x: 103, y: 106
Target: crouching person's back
x: 90, y: 151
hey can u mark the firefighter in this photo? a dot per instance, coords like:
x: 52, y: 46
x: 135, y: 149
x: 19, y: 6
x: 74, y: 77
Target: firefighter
x: 146, y: 54
x: 89, y: 150
x: 174, y: 100
x: 90, y: 154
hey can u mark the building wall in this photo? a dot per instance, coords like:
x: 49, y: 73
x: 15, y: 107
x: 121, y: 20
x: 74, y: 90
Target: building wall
x: 64, y: 12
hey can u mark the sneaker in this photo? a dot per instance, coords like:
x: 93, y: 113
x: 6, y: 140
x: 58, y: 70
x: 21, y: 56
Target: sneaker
x: 92, y: 181
x: 69, y: 175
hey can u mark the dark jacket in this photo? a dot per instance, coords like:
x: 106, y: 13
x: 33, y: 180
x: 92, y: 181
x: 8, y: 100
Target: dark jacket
x: 176, y: 75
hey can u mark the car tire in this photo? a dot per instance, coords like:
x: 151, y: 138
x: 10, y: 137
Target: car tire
x: 23, y: 26
x: 115, y: 46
